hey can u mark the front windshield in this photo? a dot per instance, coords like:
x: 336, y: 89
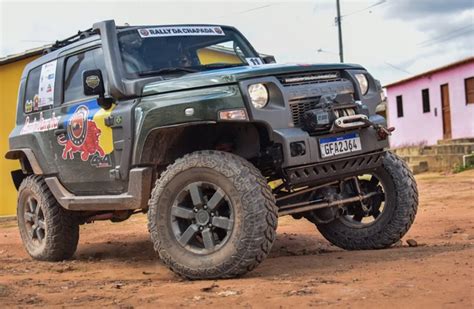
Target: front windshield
x: 182, y: 49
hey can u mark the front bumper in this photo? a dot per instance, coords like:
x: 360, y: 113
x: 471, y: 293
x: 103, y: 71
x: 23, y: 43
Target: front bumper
x: 337, y: 169
x: 289, y: 101
x: 368, y: 136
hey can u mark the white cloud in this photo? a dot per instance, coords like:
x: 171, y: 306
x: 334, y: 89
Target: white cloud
x: 292, y: 31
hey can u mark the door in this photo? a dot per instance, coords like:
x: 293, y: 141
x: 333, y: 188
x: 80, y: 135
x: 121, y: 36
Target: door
x: 83, y: 144
x: 446, y: 111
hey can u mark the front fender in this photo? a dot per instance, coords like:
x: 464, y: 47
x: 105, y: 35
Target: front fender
x: 165, y: 110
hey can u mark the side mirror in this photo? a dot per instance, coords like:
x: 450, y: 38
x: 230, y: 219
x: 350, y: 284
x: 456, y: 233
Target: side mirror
x: 268, y: 59
x: 93, y: 84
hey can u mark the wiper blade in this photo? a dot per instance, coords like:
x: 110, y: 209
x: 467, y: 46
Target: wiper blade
x: 166, y: 71
x: 223, y: 65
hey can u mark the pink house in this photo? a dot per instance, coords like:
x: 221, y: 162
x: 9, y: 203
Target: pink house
x: 435, y: 105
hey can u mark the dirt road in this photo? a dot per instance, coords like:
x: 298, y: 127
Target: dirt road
x: 115, y: 266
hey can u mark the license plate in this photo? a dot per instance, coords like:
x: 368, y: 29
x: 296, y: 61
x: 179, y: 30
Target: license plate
x: 333, y: 146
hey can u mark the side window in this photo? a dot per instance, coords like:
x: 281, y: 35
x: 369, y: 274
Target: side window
x: 425, y: 96
x: 399, y: 106
x: 31, y: 100
x: 75, y: 66
x: 469, y: 89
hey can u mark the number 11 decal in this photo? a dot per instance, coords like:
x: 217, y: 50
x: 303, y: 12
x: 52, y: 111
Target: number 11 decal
x: 254, y: 61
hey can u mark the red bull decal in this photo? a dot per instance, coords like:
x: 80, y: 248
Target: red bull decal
x: 83, y: 137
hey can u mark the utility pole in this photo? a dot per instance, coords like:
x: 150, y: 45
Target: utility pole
x: 338, y: 21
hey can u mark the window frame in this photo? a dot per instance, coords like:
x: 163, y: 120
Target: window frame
x: 63, y: 78
x: 400, y: 112
x: 466, y: 90
x: 236, y: 35
x: 426, y: 105
x: 27, y: 81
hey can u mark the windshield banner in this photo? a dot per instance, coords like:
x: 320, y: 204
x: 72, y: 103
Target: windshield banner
x: 181, y: 31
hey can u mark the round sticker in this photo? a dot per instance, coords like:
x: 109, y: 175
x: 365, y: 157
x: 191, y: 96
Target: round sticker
x: 77, y: 126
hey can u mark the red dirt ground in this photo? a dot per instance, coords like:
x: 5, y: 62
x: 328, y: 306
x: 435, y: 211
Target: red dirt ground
x: 115, y: 266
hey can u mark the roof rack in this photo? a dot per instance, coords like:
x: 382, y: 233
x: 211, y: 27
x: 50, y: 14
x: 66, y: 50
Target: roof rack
x: 72, y: 39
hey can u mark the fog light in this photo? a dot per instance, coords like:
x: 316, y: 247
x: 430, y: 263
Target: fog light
x: 297, y: 149
x: 233, y: 114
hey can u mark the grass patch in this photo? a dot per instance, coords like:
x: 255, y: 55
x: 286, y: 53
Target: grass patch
x: 462, y: 168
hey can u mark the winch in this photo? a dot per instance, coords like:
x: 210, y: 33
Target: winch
x: 332, y: 108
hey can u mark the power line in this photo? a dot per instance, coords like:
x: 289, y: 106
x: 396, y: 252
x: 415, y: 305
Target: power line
x: 338, y: 21
x: 439, y: 39
x: 450, y: 38
x: 255, y: 9
x: 380, y: 2
x: 250, y: 10
x: 398, y: 68
x: 445, y: 35
x: 320, y: 50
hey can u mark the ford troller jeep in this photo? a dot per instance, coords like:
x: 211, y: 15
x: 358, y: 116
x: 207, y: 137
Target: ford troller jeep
x: 189, y: 124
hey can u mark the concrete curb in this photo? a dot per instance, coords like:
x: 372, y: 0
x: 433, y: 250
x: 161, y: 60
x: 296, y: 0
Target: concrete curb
x: 7, y: 218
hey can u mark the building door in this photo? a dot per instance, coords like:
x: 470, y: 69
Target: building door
x: 446, y: 111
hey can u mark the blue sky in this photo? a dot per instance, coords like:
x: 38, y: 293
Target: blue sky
x: 393, y: 39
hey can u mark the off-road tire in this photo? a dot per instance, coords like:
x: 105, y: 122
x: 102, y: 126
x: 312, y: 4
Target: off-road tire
x: 401, y: 202
x: 254, y: 229
x: 61, y: 230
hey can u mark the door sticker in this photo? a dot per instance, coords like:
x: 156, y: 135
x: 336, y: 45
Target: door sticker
x: 87, y: 135
x: 46, y: 84
x: 40, y: 125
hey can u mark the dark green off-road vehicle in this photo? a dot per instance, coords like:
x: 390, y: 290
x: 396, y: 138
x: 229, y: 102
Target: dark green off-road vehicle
x: 189, y: 124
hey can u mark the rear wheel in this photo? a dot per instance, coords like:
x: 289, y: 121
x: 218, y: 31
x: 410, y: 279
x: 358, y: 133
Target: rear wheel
x: 48, y: 231
x: 384, y: 218
x: 212, y: 215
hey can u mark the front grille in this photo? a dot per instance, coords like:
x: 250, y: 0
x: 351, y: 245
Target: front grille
x: 309, y: 78
x: 299, y: 106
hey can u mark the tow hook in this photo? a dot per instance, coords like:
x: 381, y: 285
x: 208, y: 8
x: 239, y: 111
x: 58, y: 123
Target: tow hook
x: 382, y: 131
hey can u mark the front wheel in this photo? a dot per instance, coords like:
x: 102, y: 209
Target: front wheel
x: 385, y: 218
x: 212, y: 215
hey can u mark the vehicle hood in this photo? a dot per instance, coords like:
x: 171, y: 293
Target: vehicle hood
x: 236, y: 74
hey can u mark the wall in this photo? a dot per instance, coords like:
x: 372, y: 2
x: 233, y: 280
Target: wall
x: 417, y: 127
x: 10, y: 75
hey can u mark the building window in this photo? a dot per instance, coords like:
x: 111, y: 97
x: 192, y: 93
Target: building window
x: 425, y: 95
x: 75, y: 66
x: 399, y: 106
x: 469, y: 88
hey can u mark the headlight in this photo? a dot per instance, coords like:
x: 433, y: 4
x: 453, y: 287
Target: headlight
x: 258, y: 95
x: 363, y: 83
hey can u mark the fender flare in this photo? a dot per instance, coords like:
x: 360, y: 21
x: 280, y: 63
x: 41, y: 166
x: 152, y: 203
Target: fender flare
x: 28, y: 154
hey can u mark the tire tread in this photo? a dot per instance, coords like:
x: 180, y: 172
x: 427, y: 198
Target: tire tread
x: 254, y: 192
x: 406, y: 205
x: 62, y: 234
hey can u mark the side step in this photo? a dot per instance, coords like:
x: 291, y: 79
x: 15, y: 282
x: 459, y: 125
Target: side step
x: 139, y: 188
